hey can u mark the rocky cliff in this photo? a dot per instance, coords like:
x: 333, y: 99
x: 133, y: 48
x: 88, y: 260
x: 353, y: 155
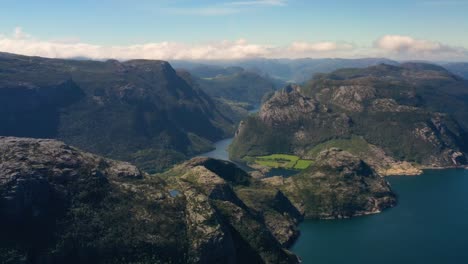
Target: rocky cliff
x: 141, y: 111
x: 61, y: 205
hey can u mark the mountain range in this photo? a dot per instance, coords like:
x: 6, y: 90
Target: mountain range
x: 140, y: 111
x: 414, y: 113
x: 64, y: 124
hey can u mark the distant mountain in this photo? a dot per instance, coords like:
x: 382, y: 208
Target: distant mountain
x: 211, y: 71
x: 389, y: 116
x: 460, y: 68
x: 290, y: 70
x: 240, y: 87
x: 140, y: 110
x: 232, y: 83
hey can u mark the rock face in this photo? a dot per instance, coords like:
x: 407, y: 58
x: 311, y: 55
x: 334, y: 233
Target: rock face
x: 260, y: 222
x: 61, y: 205
x: 280, y: 109
x: 398, y: 113
x: 140, y: 111
x: 338, y: 185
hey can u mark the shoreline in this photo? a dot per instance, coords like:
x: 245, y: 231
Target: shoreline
x: 425, y: 168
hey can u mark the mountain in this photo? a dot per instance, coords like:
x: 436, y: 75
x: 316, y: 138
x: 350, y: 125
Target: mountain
x: 459, y: 68
x: 240, y: 87
x: 392, y: 117
x: 288, y: 70
x: 234, y: 84
x: 141, y: 111
x: 61, y: 205
x: 210, y: 71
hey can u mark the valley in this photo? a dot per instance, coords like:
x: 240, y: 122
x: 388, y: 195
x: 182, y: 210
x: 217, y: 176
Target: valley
x: 233, y: 132
x: 275, y: 161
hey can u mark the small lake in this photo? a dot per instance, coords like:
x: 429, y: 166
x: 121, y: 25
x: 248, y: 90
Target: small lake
x: 429, y: 225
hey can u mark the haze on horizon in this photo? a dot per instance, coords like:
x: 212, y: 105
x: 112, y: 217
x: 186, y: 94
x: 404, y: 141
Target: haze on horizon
x: 236, y: 29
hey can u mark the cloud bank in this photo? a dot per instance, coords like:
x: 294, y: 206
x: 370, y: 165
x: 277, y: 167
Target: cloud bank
x: 404, y: 46
x: 391, y: 46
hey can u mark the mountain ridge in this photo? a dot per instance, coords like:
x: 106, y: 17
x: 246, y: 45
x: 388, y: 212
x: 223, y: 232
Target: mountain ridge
x: 394, y: 112
x: 139, y: 110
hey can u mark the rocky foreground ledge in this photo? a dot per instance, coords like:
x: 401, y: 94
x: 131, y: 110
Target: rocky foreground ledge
x: 61, y: 205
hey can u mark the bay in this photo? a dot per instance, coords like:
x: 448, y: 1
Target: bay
x: 429, y: 225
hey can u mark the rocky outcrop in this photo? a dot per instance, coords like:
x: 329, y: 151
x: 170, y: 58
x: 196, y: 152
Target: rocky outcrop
x: 401, y: 168
x: 240, y: 201
x: 389, y: 105
x: 61, y: 205
x: 287, y: 105
x: 337, y: 185
x: 352, y: 97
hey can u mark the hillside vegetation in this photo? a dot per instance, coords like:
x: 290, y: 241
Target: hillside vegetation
x: 385, y: 114
x: 141, y: 111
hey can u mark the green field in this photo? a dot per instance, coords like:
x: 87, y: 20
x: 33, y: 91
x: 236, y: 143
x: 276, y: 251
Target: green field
x: 281, y: 161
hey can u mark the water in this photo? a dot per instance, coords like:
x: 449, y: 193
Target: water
x: 220, y: 151
x: 281, y: 172
x: 221, y: 147
x: 429, y: 225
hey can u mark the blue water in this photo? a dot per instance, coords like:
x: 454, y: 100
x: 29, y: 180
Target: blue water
x: 429, y: 225
x: 174, y: 193
x: 220, y: 151
x: 221, y: 147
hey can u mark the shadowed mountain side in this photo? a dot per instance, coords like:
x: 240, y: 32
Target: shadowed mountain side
x: 140, y: 110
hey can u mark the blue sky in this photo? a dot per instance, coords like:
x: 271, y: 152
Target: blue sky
x: 277, y: 23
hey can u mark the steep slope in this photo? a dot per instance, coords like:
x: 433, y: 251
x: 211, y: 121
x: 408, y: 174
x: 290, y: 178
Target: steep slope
x: 140, y: 111
x: 387, y: 115
x: 61, y: 205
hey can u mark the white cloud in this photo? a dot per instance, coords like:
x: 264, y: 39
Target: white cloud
x: 22, y: 43
x: 319, y: 46
x: 391, y: 46
x: 399, y: 43
x: 407, y: 47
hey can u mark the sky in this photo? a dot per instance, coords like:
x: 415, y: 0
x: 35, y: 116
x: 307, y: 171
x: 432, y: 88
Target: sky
x: 236, y: 29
